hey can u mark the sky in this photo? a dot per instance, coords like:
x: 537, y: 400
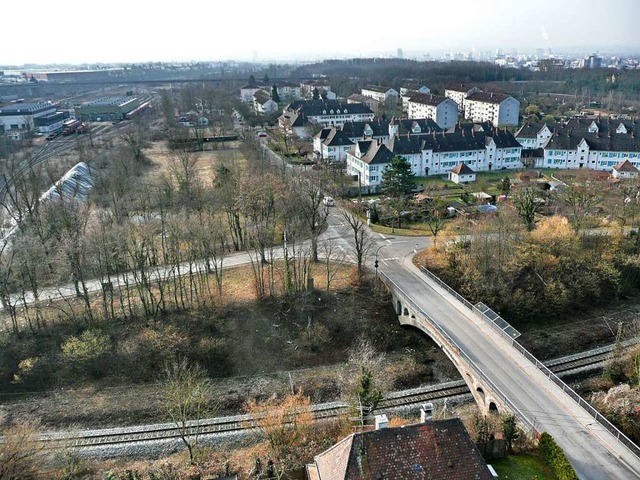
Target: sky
x: 86, y: 31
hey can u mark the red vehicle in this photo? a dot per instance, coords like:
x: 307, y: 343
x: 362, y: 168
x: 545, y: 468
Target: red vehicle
x: 82, y: 128
x: 70, y: 126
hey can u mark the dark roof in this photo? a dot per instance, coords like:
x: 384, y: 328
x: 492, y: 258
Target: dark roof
x: 626, y: 166
x: 426, y: 125
x: 531, y: 129
x: 317, y: 107
x: 488, y: 97
x: 337, y: 138
x: 376, y: 88
x: 462, y: 169
x: 379, y: 128
x: 568, y: 139
x: 252, y: 87
x: 372, y: 152
x: 460, y: 87
x: 427, y: 99
x: 437, y: 450
x: 26, y: 108
x: 406, y: 144
x: 356, y: 97
x: 604, y: 125
x: 284, y: 83
x: 324, y: 133
x: 261, y: 97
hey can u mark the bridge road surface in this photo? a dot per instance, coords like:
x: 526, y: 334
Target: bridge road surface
x: 592, y: 450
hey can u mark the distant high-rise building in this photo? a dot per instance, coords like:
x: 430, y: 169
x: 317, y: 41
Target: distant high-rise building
x: 593, y: 61
x: 540, y: 53
x: 400, y: 53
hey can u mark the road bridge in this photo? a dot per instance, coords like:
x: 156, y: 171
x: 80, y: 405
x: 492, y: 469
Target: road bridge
x: 503, y: 376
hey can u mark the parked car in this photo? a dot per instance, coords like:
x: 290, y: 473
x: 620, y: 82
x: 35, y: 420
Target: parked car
x: 262, y: 134
x: 328, y: 201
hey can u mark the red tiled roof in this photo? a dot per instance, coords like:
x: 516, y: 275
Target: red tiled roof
x: 625, y: 166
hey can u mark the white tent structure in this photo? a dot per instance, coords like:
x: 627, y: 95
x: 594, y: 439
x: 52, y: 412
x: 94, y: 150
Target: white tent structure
x: 75, y: 184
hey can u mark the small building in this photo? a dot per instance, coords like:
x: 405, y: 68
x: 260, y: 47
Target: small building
x: 435, y: 449
x: 368, y: 160
x: 370, y: 102
x: 107, y: 109
x: 462, y: 173
x: 50, y: 123
x: 624, y: 169
x: 381, y: 94
x: 332, y: 144
x: 263, y: 103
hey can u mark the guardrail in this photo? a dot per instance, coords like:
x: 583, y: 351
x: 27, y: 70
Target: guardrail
x: 597, y: 416
x: 524, y: 420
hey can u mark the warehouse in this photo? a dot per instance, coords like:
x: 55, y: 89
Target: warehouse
x: 20, y: 116
x: 106, y: 109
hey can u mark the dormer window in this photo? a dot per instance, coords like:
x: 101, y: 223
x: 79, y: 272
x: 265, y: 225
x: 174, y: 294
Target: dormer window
x: 345, y: 111
x: 331, y: 111
x: 324, y: 112
x: 621, y: 129
x: 593, y: 128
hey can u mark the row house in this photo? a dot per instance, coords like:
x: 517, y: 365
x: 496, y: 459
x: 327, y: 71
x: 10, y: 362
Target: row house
x: 286, y: 91
x: 592, y: 144
x: 370, y: 102
x: 332, y: 144
x: 458, y: 92
x: 533, y: 135
x: 442, y: 110
x: 499, y: 109
x: 324, y: 88
x: 326, y: 112
x: 381, y: 94
x: 480, y: 146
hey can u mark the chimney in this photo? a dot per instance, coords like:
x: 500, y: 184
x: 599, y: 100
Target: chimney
x: 381, y: 421
x: 426, y: 412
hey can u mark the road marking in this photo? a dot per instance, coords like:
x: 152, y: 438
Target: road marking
x: 383, y: 237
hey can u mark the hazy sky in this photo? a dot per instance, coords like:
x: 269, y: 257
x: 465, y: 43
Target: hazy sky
x: 78, y: 31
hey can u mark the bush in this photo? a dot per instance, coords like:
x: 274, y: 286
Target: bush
x: 555, y: 458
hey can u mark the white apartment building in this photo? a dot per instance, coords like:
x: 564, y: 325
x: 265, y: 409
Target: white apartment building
x: 499, y: 109
x: 332, y: 145
x: 325, y: 112
x: 443, y: 111
x: 381, y: 94
x: 458, y: 92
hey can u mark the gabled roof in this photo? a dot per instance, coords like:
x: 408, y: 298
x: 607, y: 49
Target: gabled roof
x: 261, y: 97
x: 324, y: 107
x: 626, y: 166
x: 532, y: 129
x: 488, y: 97
x: 460, y: 87
x: 462, y: 169
x: 378, y: 127
x: 427, y: 99
x: 437, y: 450
x: 372, y: 152
x: 567, y: 138
x: 376, y: 88
x: 356, y: 97
x: 406, y: 144
x: 337, y: 138
x: 426, y: 125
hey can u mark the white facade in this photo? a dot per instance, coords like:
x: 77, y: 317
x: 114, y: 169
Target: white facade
x: 462, y: 178
x: 505, y: 113
x: 339, y: 116
x: 246, y: 93
x: 584, y: 157
x: 20, y: 116
x: 379, y: 95
x: 458, y: 96
x: 445, y: 113
x: 541, y: 138
x: 265, y: 108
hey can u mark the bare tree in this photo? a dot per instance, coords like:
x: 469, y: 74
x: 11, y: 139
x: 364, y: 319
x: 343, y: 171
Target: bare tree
x: 20, y: 450
x: 334, y: 258
x: 361, y: 241
x: 186, y: 392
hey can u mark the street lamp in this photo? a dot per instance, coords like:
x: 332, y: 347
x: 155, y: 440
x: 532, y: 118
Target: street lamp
x: 376, y: 262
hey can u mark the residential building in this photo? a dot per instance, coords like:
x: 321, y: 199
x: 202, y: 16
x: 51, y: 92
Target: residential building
x: 370, y: 102
x: 263, y: 104
x: 107, y: 109
x: 462, y: 173
x: 21, y: 116
x: 435, y: 450
x: 331, y: 145
x: 481, y: 146
x: 443, y: 111
x: 406, y: 92
x: 625, y: 169
x: 376, y: 129
x: 247, y: 91
x: 458, y: 92
x: 534, y: 135
x: 596, y: 144
x: 499, y: 109
x: 308, y: 86
x: 326, y: 112
x: 287, y: 90
x: 381, y: 94
x: 413, y: 126
x: 368, y: 159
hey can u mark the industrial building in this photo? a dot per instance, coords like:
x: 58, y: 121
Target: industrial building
x: 50, y: 123
x: 21, y: 116
x: 107, y: 109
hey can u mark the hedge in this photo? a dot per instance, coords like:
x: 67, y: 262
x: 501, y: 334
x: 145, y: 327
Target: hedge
x: 555, y: 458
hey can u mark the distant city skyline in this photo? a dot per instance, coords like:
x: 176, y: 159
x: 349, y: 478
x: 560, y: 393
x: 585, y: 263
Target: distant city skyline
x: 46, y: 32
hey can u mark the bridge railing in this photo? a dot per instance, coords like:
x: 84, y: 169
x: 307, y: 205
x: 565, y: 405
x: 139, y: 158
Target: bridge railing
x: 524, y: 420
x: 597, y: 416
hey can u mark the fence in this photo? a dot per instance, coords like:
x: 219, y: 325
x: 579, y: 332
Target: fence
x: 506, y: 333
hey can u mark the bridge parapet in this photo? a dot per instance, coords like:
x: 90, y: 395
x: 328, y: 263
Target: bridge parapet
x: 486, y: 394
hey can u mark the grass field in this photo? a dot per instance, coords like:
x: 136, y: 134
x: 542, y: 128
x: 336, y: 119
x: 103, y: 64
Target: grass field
x: 522, y: 467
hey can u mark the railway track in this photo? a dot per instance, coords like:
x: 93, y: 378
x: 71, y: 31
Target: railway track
x: 589, y: 360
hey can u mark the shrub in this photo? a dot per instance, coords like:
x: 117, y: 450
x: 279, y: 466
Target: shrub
x: 555, y: 458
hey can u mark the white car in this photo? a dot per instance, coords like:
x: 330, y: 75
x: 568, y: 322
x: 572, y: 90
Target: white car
x: 328, y: 201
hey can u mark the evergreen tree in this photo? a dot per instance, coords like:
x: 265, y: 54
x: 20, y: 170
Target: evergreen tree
x: 265, y: 79
x: 397, y: 178
x: 252, y: 81
x: 316, y: 93
x: 274, y: 94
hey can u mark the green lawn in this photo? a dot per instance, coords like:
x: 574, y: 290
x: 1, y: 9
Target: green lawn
x: 522, y: 467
